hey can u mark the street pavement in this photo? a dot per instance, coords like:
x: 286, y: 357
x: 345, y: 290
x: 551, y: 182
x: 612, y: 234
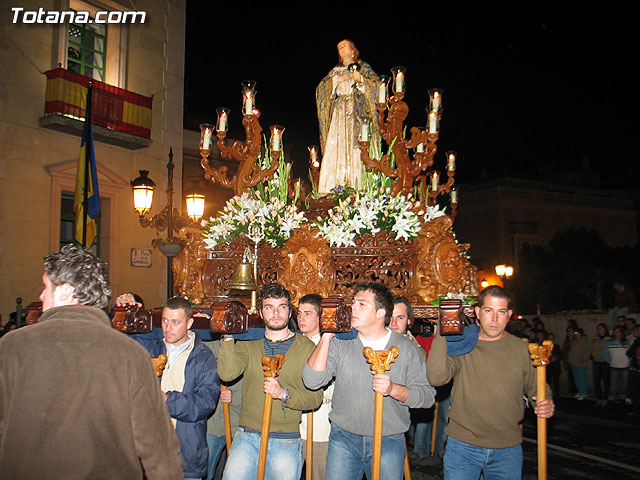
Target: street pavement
x: 583, y: 442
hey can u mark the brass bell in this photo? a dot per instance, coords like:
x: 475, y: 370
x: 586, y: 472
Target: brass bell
x: 242, y: 278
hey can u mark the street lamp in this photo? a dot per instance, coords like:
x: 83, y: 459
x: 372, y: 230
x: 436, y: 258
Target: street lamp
x: 169, y: 218
x: 504, y: 271
x: 195, y: 204
x: 142, y: 188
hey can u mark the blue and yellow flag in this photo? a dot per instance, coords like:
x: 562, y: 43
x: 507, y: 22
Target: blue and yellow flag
x: 86, y: 230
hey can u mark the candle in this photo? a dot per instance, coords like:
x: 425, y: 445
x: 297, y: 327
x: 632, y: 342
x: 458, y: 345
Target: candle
x: 434, y: 181
x: 275, y: 141
x: 398, y: 79
x: 364, y: 132
x: 313, y: 154
x: 433, y: 122
x: 206, y: 140
x: 206, y: 130
x: 454, y: 195
x: 399, y: 82
x: 435, y: 104
x: 451, y: 162
x: 222, y: 123
x: 223, y: 113
x: 248, y: 96
x: 382, y: 89
x: 276, y: 138
x: 248, y: 103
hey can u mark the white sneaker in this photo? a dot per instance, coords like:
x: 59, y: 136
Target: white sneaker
x: 582, y: 397
x: 627, y: 401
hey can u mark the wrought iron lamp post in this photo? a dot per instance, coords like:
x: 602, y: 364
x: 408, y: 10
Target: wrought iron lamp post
x: 169, y: 219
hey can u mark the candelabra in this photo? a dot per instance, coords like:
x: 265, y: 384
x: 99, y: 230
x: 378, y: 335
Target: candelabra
x: 407, y: 169
x: 246, y: 153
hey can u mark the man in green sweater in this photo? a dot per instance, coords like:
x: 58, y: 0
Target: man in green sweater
x: 290, y: 396
x: 487, y: 398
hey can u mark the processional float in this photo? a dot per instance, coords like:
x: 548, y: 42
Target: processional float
x: 424, y: 262
x: 423, y: 267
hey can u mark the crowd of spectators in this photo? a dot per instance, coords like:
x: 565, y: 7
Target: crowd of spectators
x: 614, y: 356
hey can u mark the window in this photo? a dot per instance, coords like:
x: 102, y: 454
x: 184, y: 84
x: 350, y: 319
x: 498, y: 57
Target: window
x: 66, y: 218
x: 91, y: 49
x: 113, y: 190
x: 67, y: 222
x: 86, y: 50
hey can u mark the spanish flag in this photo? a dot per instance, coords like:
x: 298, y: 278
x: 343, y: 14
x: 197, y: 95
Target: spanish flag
x: 86, y: 194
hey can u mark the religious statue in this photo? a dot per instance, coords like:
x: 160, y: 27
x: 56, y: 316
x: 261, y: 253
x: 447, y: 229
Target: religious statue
x: 345, y: 99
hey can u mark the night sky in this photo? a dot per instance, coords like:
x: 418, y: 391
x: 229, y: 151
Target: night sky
x: 527, y: 89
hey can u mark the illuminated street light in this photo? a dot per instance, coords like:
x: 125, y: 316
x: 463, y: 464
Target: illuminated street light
x: 504, y: 271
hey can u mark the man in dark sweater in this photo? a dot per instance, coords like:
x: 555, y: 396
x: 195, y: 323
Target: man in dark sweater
x: 487, y: 397
x: 77, y: 398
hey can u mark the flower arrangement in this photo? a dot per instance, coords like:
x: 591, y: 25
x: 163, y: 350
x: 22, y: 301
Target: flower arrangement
x: 266, y: 205
x: 372, y: 209
x: 466, y: 300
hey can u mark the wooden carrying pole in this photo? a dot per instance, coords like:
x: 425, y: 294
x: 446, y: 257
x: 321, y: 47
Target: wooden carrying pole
x: 407, y: 468
x: 309, y: 458
x: 271, y: 367
x: 380, y: 361
x: 434, y: 429
x: 227, y: 423
x: 540, y: 356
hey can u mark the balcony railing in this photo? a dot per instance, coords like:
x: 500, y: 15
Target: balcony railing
x: 119, y: 117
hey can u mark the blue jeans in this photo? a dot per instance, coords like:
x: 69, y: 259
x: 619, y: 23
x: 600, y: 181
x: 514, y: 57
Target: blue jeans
x: 284, y: 458
x: 216, y: 446
x: 580, y: 377
x: 466, y: 462
x: 601, y: 379
x: 619, y: 382
x: 349, y: 456
x: 422, y: 442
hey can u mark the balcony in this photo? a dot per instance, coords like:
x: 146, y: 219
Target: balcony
x: 119, y: 117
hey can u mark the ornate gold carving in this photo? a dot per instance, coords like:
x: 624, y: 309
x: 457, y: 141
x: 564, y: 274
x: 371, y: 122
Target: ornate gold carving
x: 272, y: 365
x: 442, y: 265
x: 422, y: 269
x: 540, y: 353
x: 188, y: 265
x: 380, y: 360
x: 307, y: 265
x: 159, y: 363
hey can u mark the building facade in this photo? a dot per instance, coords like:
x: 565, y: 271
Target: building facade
x: 499, y: 215
x: 135, y: 57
